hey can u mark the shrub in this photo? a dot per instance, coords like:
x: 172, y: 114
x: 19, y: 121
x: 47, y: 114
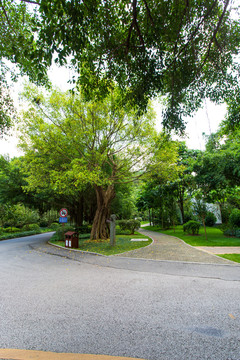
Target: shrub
x: 225, y: 213
x: 191, y: 227
x: 54, y: 226
x: 223, y: 227
x: 11, y: 230
x: 62, y: 230
x: 229, y: 232
x: 43, y: 223
x: 234, y: 219
x: 131, y: 225
x: 237, y: 233
x: 31, y: 227
x: 84, y: 229
x: 210, y: 219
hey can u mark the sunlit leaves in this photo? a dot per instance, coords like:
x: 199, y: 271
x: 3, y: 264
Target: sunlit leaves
x: 71, y: 143
x: 184, y: 50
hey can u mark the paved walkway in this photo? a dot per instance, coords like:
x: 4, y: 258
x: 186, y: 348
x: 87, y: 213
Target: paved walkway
x: 164, y: 247
x: 167, y: 247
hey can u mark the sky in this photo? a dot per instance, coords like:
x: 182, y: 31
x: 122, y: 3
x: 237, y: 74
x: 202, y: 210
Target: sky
x: 206, y: 120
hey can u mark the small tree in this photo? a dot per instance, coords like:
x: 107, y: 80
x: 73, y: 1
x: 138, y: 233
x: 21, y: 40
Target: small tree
x: 200, y: 208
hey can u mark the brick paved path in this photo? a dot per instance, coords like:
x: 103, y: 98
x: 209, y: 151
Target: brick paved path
x: 164, y: 247
x: 167, y: 247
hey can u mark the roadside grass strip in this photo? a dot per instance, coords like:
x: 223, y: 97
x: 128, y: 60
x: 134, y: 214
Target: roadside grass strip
x: 232, y: 257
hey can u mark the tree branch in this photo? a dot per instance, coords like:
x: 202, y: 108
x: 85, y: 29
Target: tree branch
x: 31, y: 2
x: 214, y: 34
x: 149, y: 13
x: 135, y: 23
x: 7, y: 18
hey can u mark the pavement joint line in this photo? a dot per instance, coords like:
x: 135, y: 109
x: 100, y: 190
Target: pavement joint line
x: 20, y: 354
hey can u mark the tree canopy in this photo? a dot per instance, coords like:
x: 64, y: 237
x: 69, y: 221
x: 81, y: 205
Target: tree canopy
x: 6, y: 103
x: 70, y: 143
x: 184, y: 50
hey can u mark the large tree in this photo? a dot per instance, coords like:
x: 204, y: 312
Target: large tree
x: 217, y: 171
x: 6, y: 102
x: 70, y: 144
x: 182, y: 49
x: 17, y: 46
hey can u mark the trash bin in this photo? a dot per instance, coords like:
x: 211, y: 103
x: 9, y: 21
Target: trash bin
x: 71, y: 239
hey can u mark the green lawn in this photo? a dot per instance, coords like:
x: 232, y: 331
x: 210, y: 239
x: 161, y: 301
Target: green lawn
x: 232, y: 257
x: 215, y: 236
x: 144, y: 222
x: 123, y: 244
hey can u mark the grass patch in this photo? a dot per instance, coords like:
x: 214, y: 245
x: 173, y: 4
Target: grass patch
x: 215, y: 236
x: 144, y: 222
x: 232, y: 257
x: 103, y: 247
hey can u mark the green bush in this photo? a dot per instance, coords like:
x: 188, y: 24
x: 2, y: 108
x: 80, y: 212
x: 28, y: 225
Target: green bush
x: 191, y: 227
x: 225, y: 213
x: 31, y: 227
x: 237, y: 233
x: 43, y: 223
x: 223, y: 227
x: 210, y: 219
x: 12, y: 230
x: 130, y: 225
x: 229, y: 232
x: 234, y: 219
x: 59, y: 235
x: 232, y: 232
x: 84, y: 229
x: 54, y: 226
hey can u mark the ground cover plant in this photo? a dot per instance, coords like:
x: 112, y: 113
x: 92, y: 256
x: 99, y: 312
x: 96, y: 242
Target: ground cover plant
x: 215, y: 236
x: 123, y: 244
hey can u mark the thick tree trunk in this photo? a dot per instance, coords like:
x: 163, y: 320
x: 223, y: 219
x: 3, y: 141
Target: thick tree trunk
x: 100, y: 228
x: 76, y: 211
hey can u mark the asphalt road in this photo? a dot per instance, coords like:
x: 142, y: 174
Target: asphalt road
x: 116, y: 306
